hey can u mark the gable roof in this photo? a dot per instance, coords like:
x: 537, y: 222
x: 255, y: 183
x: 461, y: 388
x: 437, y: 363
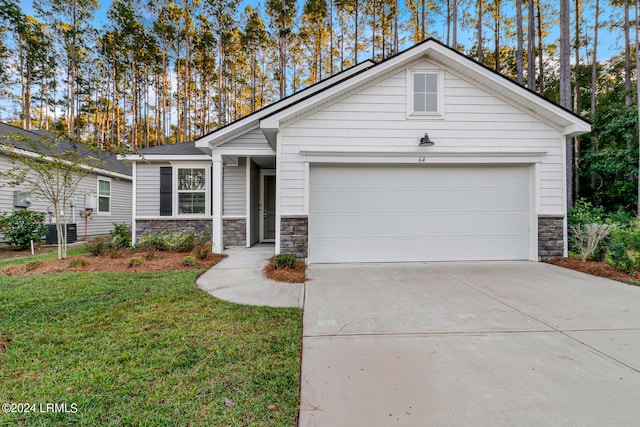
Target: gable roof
x: 110, y: 162
x: 569, y: 123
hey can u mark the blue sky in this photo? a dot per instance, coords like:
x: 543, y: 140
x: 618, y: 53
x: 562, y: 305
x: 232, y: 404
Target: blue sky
x: 609, y: 43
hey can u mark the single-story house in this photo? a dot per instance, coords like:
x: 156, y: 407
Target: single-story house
x: 426, y: 156
x: 105, y: 193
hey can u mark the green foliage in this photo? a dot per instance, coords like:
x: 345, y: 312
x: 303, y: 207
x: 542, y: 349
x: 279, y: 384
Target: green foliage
x: 284, y: 261
x: 78, y: 262
x: 96, y: 248
x: 32, y: 265
x: 583, y: 212
x: 624, y: 248
x: 136, y: 261
x: 121, y: 235
x: 178, y: 241
x: 189, y: 261
x: 22, y: 226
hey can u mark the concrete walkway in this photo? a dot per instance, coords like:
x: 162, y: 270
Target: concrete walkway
x: 239, y: 278
x: 468, y: 344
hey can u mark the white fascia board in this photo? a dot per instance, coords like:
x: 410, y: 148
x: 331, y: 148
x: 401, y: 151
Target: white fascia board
x: 252, y: 121
x: 96, y: 170
x: 163, y: 157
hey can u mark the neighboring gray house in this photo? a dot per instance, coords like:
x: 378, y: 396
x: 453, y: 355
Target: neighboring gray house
x: 426, y: 156
x: 107, y: 190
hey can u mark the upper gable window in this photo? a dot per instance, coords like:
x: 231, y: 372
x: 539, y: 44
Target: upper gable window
x: 425, y: 93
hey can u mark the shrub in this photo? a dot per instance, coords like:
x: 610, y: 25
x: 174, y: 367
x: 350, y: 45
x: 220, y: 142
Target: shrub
x: 121, y: 236
x: 77, y: 262
x: 189, y: 261
x: 583, y: 212
x: 588, y: 238
x: 624, y: 248
x: 32, y: 265
x: 22, y: 226
x: 178, y: 241
x: 284, y: 261
x: 155, y: 241
x: 95, y: 248
x: 136, y: 261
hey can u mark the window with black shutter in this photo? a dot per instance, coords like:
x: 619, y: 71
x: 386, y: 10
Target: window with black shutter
x: 166, y: 190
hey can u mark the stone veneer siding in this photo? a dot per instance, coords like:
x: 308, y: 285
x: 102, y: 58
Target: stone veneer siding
x: 234, y: 232
x: 550, y: 237
x: 294, y: 236
x: 157, y: 226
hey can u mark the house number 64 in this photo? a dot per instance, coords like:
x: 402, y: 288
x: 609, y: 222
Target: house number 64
x: 422, y: 159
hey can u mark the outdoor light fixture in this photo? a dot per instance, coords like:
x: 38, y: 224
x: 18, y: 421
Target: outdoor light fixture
x: 425, y: 141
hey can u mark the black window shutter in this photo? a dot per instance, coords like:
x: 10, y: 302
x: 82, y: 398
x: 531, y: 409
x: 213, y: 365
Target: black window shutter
x: 166, y: 191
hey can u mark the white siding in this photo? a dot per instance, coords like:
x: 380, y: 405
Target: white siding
x: 148, y: 189
x: 235, y: 189
x: 98, y: 224
x: 375, y: 118
x: 249, y: 140
x: 255, y: 203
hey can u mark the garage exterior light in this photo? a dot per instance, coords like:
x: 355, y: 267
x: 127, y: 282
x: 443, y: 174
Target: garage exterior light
x: 425, y: 141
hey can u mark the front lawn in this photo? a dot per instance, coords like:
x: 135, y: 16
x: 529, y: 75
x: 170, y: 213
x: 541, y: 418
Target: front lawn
x: 144, y: 349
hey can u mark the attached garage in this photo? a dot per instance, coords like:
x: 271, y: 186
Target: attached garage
x: 399, y: 213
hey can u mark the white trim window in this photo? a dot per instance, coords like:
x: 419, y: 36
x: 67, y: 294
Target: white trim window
x: 425, y: 97
x: 191, y: 190
x: 104, y: 196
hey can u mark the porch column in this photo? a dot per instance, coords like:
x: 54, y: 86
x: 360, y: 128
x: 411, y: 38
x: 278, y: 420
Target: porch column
x: 216, y: 194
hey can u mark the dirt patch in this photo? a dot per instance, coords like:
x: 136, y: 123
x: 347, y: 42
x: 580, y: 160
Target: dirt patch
x: 288, y: 275
x: 601, y: 269
x: 161, y: 261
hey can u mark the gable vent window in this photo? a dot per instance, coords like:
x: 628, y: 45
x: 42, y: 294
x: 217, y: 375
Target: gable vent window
x: 425, y: 97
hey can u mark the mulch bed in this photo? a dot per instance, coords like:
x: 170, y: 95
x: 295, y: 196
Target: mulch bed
x: 288, y: 275
x: 601, y: 269
x: 161, y: 261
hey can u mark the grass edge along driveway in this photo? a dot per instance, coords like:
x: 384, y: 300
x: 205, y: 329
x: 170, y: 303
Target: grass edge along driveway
x: 144, y: 349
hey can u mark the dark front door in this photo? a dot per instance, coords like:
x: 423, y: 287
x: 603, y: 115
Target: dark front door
x: 269, y: 203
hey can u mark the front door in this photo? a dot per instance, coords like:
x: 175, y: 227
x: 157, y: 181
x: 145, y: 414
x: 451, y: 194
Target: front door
x: 269, y: 208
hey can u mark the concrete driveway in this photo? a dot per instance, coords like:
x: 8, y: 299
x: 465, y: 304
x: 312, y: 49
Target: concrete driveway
x: 487, y: 343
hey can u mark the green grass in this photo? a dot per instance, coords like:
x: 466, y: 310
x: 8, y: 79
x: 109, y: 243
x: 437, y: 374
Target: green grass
x: 76, y: 250
x: 145, y: 349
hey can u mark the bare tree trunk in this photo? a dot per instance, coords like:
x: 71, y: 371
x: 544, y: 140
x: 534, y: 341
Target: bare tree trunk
x: 594, y: 60
x: 520, y: 43
x: 355, y: 46
x: 565, y: 88
x: 454, y: 23
x: 330, y: 38
x: 627, y: 59
x: 395, y: 26
x: 638, y: 88
x: 373, y: 32
x: 479, y: 30
x: 576, y: 101
x: 540, y: 51
x: 496, y: 36
x: 531, y: 46
x: 423, y: 32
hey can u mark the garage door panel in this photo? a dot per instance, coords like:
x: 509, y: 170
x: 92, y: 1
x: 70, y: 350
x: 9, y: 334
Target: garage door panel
x: 378, y: 213
x: 353, y: 199
x: 419, y: 224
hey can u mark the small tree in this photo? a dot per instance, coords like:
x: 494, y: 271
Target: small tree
x: 50, y: 172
